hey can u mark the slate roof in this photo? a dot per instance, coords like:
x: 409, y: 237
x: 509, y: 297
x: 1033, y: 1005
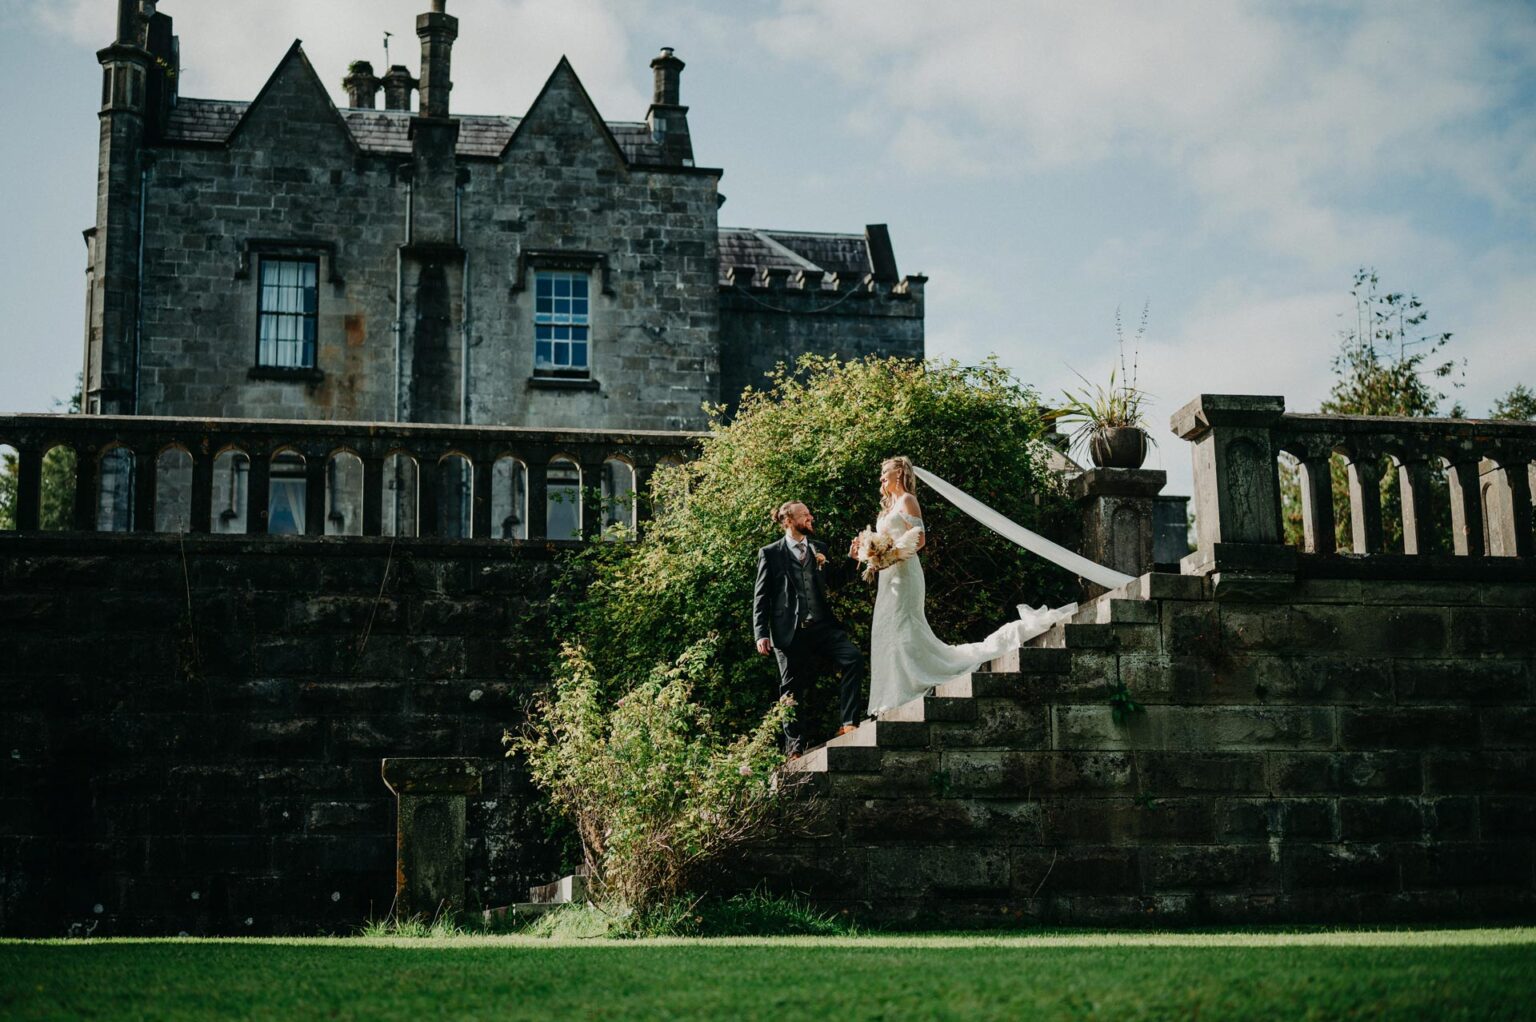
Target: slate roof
x: 387, y: 132
x: 846, y: 254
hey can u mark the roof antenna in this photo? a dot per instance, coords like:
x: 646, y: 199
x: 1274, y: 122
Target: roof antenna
x: 386, y: 48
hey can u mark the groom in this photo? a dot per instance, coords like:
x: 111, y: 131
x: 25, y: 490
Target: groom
x: 792, y: 619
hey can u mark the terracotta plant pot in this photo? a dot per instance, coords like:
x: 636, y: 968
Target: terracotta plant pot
x: 1120, y: 447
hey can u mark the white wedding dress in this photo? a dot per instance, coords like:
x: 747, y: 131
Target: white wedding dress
x: 906, y: 659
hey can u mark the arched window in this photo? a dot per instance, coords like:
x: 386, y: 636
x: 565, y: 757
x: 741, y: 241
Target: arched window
x: 455, y: 496
x: 285, y: 500
x: 231, y: 487
x: 563, y: 500
x: 400, y: 493
x: 173, y: 490
x: 344, y: 495
x: 114, y: 504
x: 618, y: 492
x: 509, y: 498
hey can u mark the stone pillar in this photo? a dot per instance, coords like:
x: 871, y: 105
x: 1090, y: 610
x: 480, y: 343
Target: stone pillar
x: 429, y: 837
x: 1115, y: 506
x: 1237, y: 484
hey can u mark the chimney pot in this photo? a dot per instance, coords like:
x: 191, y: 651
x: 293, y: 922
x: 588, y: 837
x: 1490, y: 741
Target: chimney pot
x: 362, y: 86
x: 398, y: 84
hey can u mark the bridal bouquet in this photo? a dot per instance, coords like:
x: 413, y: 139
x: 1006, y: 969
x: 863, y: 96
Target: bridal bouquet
x: 877, y: 551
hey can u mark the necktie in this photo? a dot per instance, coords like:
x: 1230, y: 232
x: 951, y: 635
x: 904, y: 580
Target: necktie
x: 800, y: 552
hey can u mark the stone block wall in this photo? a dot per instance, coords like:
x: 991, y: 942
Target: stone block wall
x: 763, y: 326
x: 191, y: 728
x: 1323, y: 751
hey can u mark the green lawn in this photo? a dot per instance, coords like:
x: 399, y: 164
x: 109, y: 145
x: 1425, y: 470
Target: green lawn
x: 1436, y: 974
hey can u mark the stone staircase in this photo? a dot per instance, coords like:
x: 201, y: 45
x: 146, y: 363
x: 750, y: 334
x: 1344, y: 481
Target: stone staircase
x: 991, y: 708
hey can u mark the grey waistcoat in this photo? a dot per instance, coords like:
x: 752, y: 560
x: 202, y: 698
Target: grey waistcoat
x: 803, y: 577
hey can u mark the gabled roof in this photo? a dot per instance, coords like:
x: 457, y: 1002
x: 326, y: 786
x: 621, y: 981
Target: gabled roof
x: 295, y: 55
x: 844, y: 254
x: 387, y: 132
x: 564, y: 70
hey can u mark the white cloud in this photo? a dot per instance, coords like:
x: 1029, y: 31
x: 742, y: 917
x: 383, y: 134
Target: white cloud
x: 1272, y: 117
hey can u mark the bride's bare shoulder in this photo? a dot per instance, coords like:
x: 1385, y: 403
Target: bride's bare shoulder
x: 907, y: 505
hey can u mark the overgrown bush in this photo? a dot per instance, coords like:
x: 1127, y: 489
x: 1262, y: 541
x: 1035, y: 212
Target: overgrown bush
x: 654, y: 788
x: 819, y: 434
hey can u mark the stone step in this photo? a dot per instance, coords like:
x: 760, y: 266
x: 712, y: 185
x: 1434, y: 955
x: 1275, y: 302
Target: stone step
x: 836, y: 759
x: 1067, y: 635
x: 1118, y: 611
x: 1032, y: 660
x: 517, y: 913
x: 561, y: 892
x: 889, y: 734
x: 930, y: 708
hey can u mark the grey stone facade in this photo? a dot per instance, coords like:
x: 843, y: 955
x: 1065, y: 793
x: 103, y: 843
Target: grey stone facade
x: 425, y: 234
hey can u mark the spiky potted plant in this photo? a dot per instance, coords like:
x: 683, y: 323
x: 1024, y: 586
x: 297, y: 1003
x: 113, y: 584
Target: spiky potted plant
x: 1109, y: 420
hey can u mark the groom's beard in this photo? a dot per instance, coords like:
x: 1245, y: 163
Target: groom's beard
x: 806, y: 530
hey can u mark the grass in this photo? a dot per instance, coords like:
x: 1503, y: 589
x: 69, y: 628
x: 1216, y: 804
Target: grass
x: 1440, y: 974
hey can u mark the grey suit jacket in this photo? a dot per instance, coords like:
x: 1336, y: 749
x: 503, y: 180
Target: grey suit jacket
x: 775, y: 601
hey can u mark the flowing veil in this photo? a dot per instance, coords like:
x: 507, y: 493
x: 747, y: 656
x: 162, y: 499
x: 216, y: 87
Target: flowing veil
x: 1031, y: 541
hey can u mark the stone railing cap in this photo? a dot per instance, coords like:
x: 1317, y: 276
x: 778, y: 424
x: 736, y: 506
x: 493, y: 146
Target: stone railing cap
x: 434, y: 775
x: 1118, y: 482
x: 1208, y: 410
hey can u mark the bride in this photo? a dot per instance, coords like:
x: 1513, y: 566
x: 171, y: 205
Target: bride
x: 906, y: 658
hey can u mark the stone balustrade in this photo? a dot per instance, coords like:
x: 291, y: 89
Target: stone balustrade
x: 148, y: 473
x: 1486, y: 466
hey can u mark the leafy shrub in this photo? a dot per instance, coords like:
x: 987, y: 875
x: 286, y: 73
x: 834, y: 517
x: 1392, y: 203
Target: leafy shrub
x: 819, y: 434
x: 751, y: 914
x: 655, y: 790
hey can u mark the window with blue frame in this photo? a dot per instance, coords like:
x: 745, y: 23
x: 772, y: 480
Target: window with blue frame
x: 561, y: 324
x: 289, y: 307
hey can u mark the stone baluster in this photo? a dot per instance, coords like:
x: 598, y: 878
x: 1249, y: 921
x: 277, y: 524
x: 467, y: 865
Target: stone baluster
x: 87, y: 480
x: 145, y: 461
x: 429, y: 482
x: 1364, y: 473
x: 200, y: 508
x: 315, y: 473
x: 258, y: 491
x: 592, y: 512
x: 29, y: 487
x: 1317, y: 523
x: 1510, y: 528
x: 373, y: 493
x: 1413, y: 483
x: 538, y: 493
x: 1466, y: 508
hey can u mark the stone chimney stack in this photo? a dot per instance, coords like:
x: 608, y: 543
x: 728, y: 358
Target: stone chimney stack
x: 667, y: 117
x: 669, y: 72
x: 437, y: 31
x: 362, y: 86
x: 398, y: 84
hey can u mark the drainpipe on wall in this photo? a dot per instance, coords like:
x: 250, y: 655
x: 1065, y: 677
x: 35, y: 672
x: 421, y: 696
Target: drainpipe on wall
x: 138, y: 311
x: 400, y: 289
x: 458, y: 239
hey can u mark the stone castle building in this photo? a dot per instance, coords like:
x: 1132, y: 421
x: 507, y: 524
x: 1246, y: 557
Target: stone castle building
x: 283, y: 258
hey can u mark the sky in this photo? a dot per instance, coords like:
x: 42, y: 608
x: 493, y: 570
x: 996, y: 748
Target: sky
x: 1228, y: 165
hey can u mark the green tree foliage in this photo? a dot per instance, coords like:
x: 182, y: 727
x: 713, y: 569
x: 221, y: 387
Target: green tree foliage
x: 1519, y: 403
x: 818, y: 434
x: 1386, y: 365
x: 656, y: 790
x: 58, y: 481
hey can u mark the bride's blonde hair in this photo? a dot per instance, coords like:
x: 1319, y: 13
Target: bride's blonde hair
x: 902, y: 464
